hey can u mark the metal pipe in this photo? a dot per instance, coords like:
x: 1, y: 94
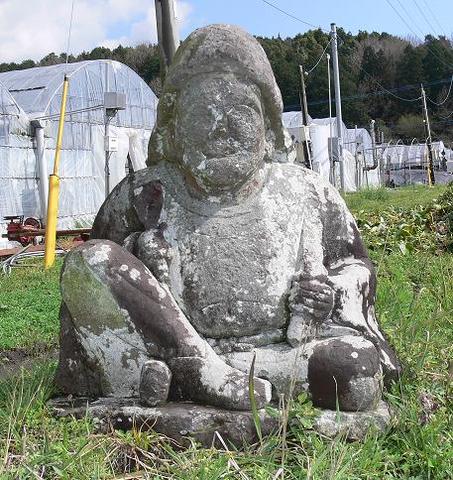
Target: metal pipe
x: 54, y: 187
x: 373, y: 148
x: 43, y: 174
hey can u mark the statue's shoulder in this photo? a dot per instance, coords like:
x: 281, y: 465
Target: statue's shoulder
x: 296, y: 179
x: 133, y: 205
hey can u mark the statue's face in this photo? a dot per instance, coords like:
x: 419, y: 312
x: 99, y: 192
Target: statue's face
x: 220, y: 132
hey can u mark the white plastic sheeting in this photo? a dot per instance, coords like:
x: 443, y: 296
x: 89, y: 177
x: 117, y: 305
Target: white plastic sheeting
x: 357, y: 151
x: 32, y: 97
x: 358, y: 142
x: 399, y: 156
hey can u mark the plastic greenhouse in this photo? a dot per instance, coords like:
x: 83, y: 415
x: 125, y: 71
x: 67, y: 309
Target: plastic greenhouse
x: 357, y: 151
x: 29, y: 109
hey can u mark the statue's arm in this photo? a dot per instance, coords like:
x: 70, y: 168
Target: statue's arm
x: 353, y: 279
x: 336, y: 281
x: 133, y: 206
x: 350, y: 272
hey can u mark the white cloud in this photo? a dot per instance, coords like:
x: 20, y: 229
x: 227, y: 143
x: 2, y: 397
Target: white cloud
x: 41, y: 26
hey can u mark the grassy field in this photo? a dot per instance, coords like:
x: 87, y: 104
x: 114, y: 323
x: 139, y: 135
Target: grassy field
x: 29, y: 302
x: 414, y: 304
x: 378, y: 199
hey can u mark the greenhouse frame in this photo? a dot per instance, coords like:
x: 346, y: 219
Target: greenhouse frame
x: 365, y: 165
x: 110, y: 115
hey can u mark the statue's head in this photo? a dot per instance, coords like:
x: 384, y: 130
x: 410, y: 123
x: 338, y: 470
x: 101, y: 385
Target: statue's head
x: 219, y: 116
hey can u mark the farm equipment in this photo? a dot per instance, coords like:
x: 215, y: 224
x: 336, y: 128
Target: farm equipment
x: 31, y: 232
x: 19, y: 230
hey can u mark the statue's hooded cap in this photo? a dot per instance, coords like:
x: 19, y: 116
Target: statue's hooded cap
x: 212, y: 50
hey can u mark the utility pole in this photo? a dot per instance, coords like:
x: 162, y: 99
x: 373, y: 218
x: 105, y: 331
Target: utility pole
x: 431, y: 179
x: 167, y: 33
x: 331, y: 159
x: 304, y: 113
x: 304, y: 96
x: 336, y: 81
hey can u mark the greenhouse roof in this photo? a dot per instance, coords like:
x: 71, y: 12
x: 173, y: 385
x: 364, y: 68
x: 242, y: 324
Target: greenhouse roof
x: 8, y: 105
x: 33, y: 89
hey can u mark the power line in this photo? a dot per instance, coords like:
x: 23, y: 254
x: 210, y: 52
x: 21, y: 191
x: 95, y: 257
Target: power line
x: 446, y: 98
x: 293, y: 16
x: 376, y: 93
x: 402, y: 18
x: 445, y: 118
x: 409, y: 16
x: 383, y: 89
x: 422, y: 13
x: 410, y: 28
x: 434, y: 17
x: 319, y: 59
x: 389, y: 91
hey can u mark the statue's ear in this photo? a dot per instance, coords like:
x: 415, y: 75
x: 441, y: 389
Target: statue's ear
x: 162, y: 138
x: 269, y: 146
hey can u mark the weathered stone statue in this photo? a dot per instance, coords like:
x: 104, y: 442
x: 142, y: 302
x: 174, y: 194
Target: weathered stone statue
x: 222, y: 247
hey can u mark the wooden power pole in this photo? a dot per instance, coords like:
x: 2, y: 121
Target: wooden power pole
x: 304, y: 113
x: 431, y: 178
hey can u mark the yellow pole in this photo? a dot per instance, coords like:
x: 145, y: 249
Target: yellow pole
x: 54, y: 188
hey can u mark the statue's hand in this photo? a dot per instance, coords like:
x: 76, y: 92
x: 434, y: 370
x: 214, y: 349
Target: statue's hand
x: 153, y: 250
x: 311, y: 298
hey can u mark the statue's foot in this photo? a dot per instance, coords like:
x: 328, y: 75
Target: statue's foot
x: 211, y: 381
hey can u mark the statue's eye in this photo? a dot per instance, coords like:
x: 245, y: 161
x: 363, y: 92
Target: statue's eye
x: 243, y: 117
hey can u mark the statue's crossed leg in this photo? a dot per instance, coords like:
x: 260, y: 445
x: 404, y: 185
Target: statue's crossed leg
x: 119, y: 316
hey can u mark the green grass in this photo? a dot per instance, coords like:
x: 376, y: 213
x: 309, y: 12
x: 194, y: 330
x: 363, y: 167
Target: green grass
x: 29, y: 302
x: 377, y: 199
x: 415, y: 307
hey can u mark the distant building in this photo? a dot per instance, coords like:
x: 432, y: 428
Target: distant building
x: 357, y: 152
x: 391, y: 163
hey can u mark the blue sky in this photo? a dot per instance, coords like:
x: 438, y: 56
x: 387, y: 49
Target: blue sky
x: 42, y: 27
x: 353, y: 15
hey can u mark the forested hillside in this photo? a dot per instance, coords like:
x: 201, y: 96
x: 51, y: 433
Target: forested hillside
x: 372, y: 64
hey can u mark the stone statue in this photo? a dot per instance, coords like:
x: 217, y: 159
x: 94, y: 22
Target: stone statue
x: 220, y: 249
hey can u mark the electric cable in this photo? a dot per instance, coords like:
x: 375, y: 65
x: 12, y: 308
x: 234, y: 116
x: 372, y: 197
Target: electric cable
x: 402, y: 18
x: 388, y: 91
x: 360, y: 96
x: 446, y: 97
x: 424, y: 16
x: 380, y: 85
x: 293, y: 16
x: 410, y: 18
x: 319, y: 59
x: 416, y: 35
x: 445, y: 118
x: 428, y: 8
x: 383, y: 89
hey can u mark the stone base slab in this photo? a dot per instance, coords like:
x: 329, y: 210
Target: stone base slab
x: 182, y: 420
x: 353, y: 425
